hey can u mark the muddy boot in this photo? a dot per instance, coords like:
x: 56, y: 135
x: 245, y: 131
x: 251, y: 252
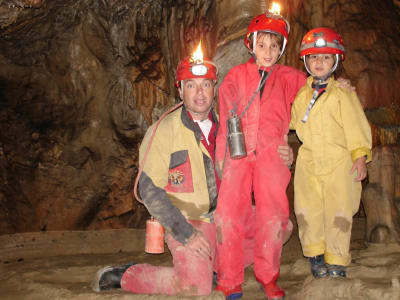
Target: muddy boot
x: 109, y: 277
x: 318, y: 267
x: 336, y: 270
x: 273, y: 291
x: 231, y: 293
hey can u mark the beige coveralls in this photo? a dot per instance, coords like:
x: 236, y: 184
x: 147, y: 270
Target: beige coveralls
x: 326, y: 196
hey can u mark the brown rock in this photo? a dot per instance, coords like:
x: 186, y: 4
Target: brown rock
x: 381, y: 196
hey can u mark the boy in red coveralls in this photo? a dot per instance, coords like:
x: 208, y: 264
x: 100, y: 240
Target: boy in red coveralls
x: 264, y: 110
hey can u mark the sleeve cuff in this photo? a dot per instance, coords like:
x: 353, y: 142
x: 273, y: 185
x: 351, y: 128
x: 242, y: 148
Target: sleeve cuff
x: 359, y: 152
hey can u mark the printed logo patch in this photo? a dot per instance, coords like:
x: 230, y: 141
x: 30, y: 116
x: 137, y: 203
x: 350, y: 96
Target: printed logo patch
x: 176, y: 177
x: 180, y: 175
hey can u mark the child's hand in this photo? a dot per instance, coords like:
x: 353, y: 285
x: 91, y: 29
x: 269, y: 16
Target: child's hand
x: 220, y: 165
x: 286, y: 152
x: 361, y: 167
x: 346, y: 84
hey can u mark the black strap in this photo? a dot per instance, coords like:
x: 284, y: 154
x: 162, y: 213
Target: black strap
x: 262, y: 82
x: 315, y: 97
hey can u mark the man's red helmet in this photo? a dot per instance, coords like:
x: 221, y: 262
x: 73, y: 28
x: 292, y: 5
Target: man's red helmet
x: 188, y: 69
x: 320, y: 41
x: 268, y: 22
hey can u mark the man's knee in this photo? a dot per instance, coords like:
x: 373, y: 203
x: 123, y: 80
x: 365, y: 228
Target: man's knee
x: 197, y: 280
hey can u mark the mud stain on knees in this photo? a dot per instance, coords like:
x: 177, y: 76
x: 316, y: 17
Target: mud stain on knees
x: 278, y: 236
x: 301, y: 221
x: 342, y: 223
x: 219, y: 235
x: 276, y: 230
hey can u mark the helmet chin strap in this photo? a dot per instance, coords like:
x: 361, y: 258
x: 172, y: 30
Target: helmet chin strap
x: 283, y: 47
x: 320, y: 80
x: 254, y: 44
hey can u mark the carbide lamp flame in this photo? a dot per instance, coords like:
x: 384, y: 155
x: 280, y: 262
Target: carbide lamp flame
x: 197, y: 56
x: 275, y: 9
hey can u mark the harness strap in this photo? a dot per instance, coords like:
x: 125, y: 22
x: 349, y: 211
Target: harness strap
x: 261, y: 83
x: 314, y: 98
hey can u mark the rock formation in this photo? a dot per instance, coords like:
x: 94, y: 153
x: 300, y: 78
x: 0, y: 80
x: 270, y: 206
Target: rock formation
x: 381, y: 196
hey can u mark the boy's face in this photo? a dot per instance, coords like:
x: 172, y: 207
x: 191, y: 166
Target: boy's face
x: 267, y: 50
x: 198, y: 96
x: 320, y: 64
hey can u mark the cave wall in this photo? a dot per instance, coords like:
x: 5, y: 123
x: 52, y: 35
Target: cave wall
x: 80, y: 82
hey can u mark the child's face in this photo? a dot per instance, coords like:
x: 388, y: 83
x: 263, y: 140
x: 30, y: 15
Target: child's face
x: 320, y: 64
x: 267, y: 50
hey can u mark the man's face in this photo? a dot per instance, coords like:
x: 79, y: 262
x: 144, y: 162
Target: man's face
x: 198, y: 96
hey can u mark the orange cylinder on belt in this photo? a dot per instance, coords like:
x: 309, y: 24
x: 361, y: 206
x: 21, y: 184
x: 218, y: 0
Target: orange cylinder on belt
x: 154, y: 237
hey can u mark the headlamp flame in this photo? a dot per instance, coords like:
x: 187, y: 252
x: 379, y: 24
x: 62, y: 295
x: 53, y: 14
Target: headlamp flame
x: 198, y: 67
x: 197, y: 56
x: 275, y: 9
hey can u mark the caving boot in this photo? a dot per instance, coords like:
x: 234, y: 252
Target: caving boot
x: 231, y: 293
x: 318, y: 266
x: 273, y: 291
x: 109, y: 277
x: 336, y: 270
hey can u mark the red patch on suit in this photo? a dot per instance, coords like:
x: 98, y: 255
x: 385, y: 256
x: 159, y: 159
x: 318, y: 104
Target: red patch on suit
x: 180, y: 178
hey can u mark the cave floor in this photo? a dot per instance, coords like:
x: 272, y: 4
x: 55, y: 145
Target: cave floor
x: 373, y: 274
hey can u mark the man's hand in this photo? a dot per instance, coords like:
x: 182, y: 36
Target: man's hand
x: 220, y: 165
x: 286, y: 153
x: 361, y: 167
x: 199, y: 244
x: 346, y: 84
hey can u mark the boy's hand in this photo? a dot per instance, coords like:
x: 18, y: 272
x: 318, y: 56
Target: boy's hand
x: 220, y: 165
x: 346, y: 84
x: 286, y: 153
x: 361, y: 167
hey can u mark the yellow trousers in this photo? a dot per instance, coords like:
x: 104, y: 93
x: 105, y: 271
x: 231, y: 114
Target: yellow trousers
x: 324, y: 207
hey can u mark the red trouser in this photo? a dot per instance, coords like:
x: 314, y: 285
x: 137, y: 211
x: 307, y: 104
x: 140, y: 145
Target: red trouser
x: 190, y: 275
x: 267, y: 176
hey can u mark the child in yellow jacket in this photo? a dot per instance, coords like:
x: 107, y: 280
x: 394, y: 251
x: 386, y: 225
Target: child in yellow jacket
x: 331, y: 163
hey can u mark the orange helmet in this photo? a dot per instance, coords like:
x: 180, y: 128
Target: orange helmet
x: 320, y: 41
x: 268, y: 22
x: 188, y: 68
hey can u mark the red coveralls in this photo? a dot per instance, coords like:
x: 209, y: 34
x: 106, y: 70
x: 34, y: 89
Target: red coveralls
x: 264, y: 125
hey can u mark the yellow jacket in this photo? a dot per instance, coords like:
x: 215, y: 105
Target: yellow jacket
x: 336, y: 127
x: 178, y: 180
